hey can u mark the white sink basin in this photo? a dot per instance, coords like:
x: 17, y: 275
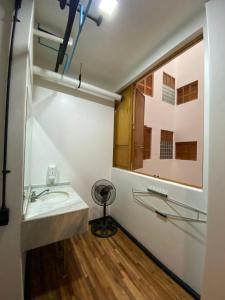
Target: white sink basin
x: 54, y: 196
x: 56, y: 201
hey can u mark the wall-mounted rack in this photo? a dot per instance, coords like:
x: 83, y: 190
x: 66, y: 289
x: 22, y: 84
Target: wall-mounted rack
x: 164, y: 197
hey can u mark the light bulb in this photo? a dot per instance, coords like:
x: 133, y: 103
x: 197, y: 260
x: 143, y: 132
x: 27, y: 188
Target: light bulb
x: 108, y: 6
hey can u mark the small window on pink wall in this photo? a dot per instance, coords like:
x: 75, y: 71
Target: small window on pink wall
x: 187, y: 93
x: 168, y: 89
x: 145, y: 85
x: 166, y: 145
x: 186, y: 150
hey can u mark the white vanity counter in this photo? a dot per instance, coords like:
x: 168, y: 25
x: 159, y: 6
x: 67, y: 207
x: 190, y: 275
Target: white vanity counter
x: 59, y: 199
x: 58, y: 214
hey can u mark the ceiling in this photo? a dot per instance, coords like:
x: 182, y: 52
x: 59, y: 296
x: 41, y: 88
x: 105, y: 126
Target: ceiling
x: 111, y: 52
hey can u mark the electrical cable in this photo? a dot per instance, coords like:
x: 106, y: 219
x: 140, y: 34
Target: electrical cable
x: 80, y: 76
x: 4, y: 210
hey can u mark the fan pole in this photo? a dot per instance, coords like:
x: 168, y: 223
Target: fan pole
x: 104, y: 213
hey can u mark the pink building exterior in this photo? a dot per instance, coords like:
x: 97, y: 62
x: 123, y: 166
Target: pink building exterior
x: 185, y: 120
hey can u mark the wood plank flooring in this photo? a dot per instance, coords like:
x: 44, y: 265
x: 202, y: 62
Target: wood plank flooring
x: 98, y: 269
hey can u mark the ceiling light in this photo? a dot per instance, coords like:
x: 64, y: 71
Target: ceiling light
x: 108, y: 6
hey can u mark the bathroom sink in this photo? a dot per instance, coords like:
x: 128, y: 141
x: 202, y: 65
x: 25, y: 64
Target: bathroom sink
x: 53, y: 206
x: 51, y: 202
x: 54, y: 196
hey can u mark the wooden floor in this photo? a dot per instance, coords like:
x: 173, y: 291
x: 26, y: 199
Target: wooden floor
x: 98, y: 269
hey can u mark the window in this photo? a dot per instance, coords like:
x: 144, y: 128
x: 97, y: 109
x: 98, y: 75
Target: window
x: 186, y: 150
x: 154, y: 135
x: 187, y: 93
x: 147, y: 142
x: 168, y: 91
x: 166, y: 144
x: 145, y: 86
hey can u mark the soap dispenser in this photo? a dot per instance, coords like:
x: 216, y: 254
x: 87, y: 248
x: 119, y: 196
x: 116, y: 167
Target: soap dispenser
x: 51, y: 175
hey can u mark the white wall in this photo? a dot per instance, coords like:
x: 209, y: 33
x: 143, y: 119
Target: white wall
x: 74, y: 132
x: 214, y: 283
x: 11, y: 285
x: 179, y: 245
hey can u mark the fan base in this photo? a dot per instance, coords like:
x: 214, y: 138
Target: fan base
x: 103, y: 228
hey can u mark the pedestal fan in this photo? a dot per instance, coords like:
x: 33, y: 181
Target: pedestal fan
x: 103, y: 193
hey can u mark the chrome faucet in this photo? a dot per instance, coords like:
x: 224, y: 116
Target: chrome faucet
x: 34, y: 197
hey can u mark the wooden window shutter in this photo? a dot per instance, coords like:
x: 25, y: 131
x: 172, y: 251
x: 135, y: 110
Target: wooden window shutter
x: 187, y: 93
x: 186, y: 150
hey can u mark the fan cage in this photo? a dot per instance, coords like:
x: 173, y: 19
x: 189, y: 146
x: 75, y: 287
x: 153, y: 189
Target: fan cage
x: 98, y: 187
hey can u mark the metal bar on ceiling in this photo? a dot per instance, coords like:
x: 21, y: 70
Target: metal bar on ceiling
x: 83, y: 18
x: 41, y: 33
x: 62, y: 49
x: 96, y: 20
x: 50, y: 47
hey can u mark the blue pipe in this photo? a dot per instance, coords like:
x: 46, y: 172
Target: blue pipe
x: 84, y: 15
x: 81, y: 15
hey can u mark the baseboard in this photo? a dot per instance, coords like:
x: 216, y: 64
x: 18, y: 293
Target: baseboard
x: 178, y: 280
x: 27, y: 278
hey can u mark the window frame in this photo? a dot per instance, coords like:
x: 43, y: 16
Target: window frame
x: 173, y: 53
